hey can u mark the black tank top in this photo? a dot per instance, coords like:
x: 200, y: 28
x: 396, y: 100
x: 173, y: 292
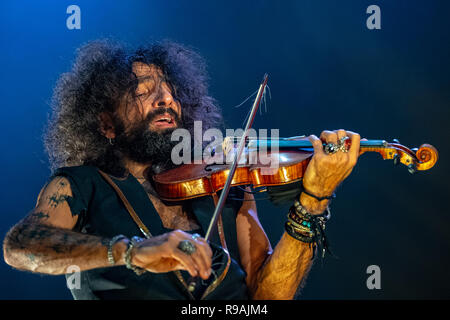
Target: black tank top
x: 101, y: 212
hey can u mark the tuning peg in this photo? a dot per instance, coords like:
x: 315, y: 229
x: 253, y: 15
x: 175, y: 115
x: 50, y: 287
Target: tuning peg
x: 395, y: 141
x: 396, y: 159
x: 412, y: 168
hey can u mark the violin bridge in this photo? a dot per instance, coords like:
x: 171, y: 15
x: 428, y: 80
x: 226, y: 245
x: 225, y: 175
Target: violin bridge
x: 227, y: 145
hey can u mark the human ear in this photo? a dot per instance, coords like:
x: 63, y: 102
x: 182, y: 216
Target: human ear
x: 106, y: 125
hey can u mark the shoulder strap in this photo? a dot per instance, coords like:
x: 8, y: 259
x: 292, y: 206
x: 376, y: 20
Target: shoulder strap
x: 127, y: 205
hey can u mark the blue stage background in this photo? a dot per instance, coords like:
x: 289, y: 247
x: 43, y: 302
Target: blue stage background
x: 326, y: 71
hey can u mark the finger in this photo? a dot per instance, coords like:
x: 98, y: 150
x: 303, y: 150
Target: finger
x: 206, y: 255
x: 201, y: 262
x: 202, y: 256
x: 341, y: 133
x: 186, y: 261
x: 328, y: 136
x: 317, y: 145
x: 354, y: 147
x: 206, y: 246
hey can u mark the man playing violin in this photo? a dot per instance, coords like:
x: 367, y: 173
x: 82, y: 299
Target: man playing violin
x: 113, y: 115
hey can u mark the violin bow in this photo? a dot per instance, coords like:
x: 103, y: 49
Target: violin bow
x: 224, y: 194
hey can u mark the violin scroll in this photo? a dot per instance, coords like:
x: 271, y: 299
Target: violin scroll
x: 427, y: 155
x: 423, y: 158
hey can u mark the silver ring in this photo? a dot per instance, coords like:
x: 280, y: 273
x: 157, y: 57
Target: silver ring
x: 341, y: 144
x: 195, y: 236
x: 330, y: 148
x: 187, y: 247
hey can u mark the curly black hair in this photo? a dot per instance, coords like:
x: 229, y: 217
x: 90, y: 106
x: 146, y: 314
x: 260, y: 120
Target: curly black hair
x: 100, y: 77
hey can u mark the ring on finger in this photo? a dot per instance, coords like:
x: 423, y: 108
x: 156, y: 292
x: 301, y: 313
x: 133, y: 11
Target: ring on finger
x: 331, y: 148
x: 341, y: 144
x: 187, y: 247
x: 195, y: 236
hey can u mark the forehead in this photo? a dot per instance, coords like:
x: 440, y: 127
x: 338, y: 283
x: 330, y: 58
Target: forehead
x: 141, y: 70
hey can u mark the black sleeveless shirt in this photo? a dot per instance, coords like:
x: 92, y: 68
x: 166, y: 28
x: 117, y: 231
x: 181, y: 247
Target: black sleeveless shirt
x: 101, y: 212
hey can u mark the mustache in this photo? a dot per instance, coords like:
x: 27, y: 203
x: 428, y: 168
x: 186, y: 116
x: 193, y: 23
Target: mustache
x: 160, y: 111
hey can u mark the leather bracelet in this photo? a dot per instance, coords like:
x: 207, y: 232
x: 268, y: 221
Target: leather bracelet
x: 115, y: 239
x: 333, y: 195
x: 290, y: 231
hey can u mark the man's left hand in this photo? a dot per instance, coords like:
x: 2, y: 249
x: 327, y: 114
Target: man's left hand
x: 326, y: 171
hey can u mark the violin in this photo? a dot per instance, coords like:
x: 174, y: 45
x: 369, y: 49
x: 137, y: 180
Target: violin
x: 196, y: 180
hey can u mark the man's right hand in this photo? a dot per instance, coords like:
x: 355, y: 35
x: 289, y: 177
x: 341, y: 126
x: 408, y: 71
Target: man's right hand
x: 161, y: 254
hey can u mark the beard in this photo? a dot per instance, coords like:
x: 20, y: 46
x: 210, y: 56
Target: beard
x: 143, y: 145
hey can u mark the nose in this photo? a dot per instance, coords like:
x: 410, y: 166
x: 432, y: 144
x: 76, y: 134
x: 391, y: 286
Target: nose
x: 164, y: 98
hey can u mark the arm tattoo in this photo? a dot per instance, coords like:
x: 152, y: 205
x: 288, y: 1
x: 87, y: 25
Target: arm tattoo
x: 56, y: 198
x: 35, y: 245
x: 46, y: 249
x: 40, y: 215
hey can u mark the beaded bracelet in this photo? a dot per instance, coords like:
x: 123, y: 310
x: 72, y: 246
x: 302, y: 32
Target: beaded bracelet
x: 299, y: 227
x: 131, y: 244
x: 292, y: 215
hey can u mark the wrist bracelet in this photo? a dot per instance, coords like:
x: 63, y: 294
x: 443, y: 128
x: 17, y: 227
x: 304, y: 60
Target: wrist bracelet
x: 308, y: 228
x: 300, y: 230
x: 319, y: 198
x: 301, y: 211
x: 131, y: 244
x: 115, y: 239
x: 296, y: 235
x: 304, y: 226
x: 332, y: 196
x: 294, y: 217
